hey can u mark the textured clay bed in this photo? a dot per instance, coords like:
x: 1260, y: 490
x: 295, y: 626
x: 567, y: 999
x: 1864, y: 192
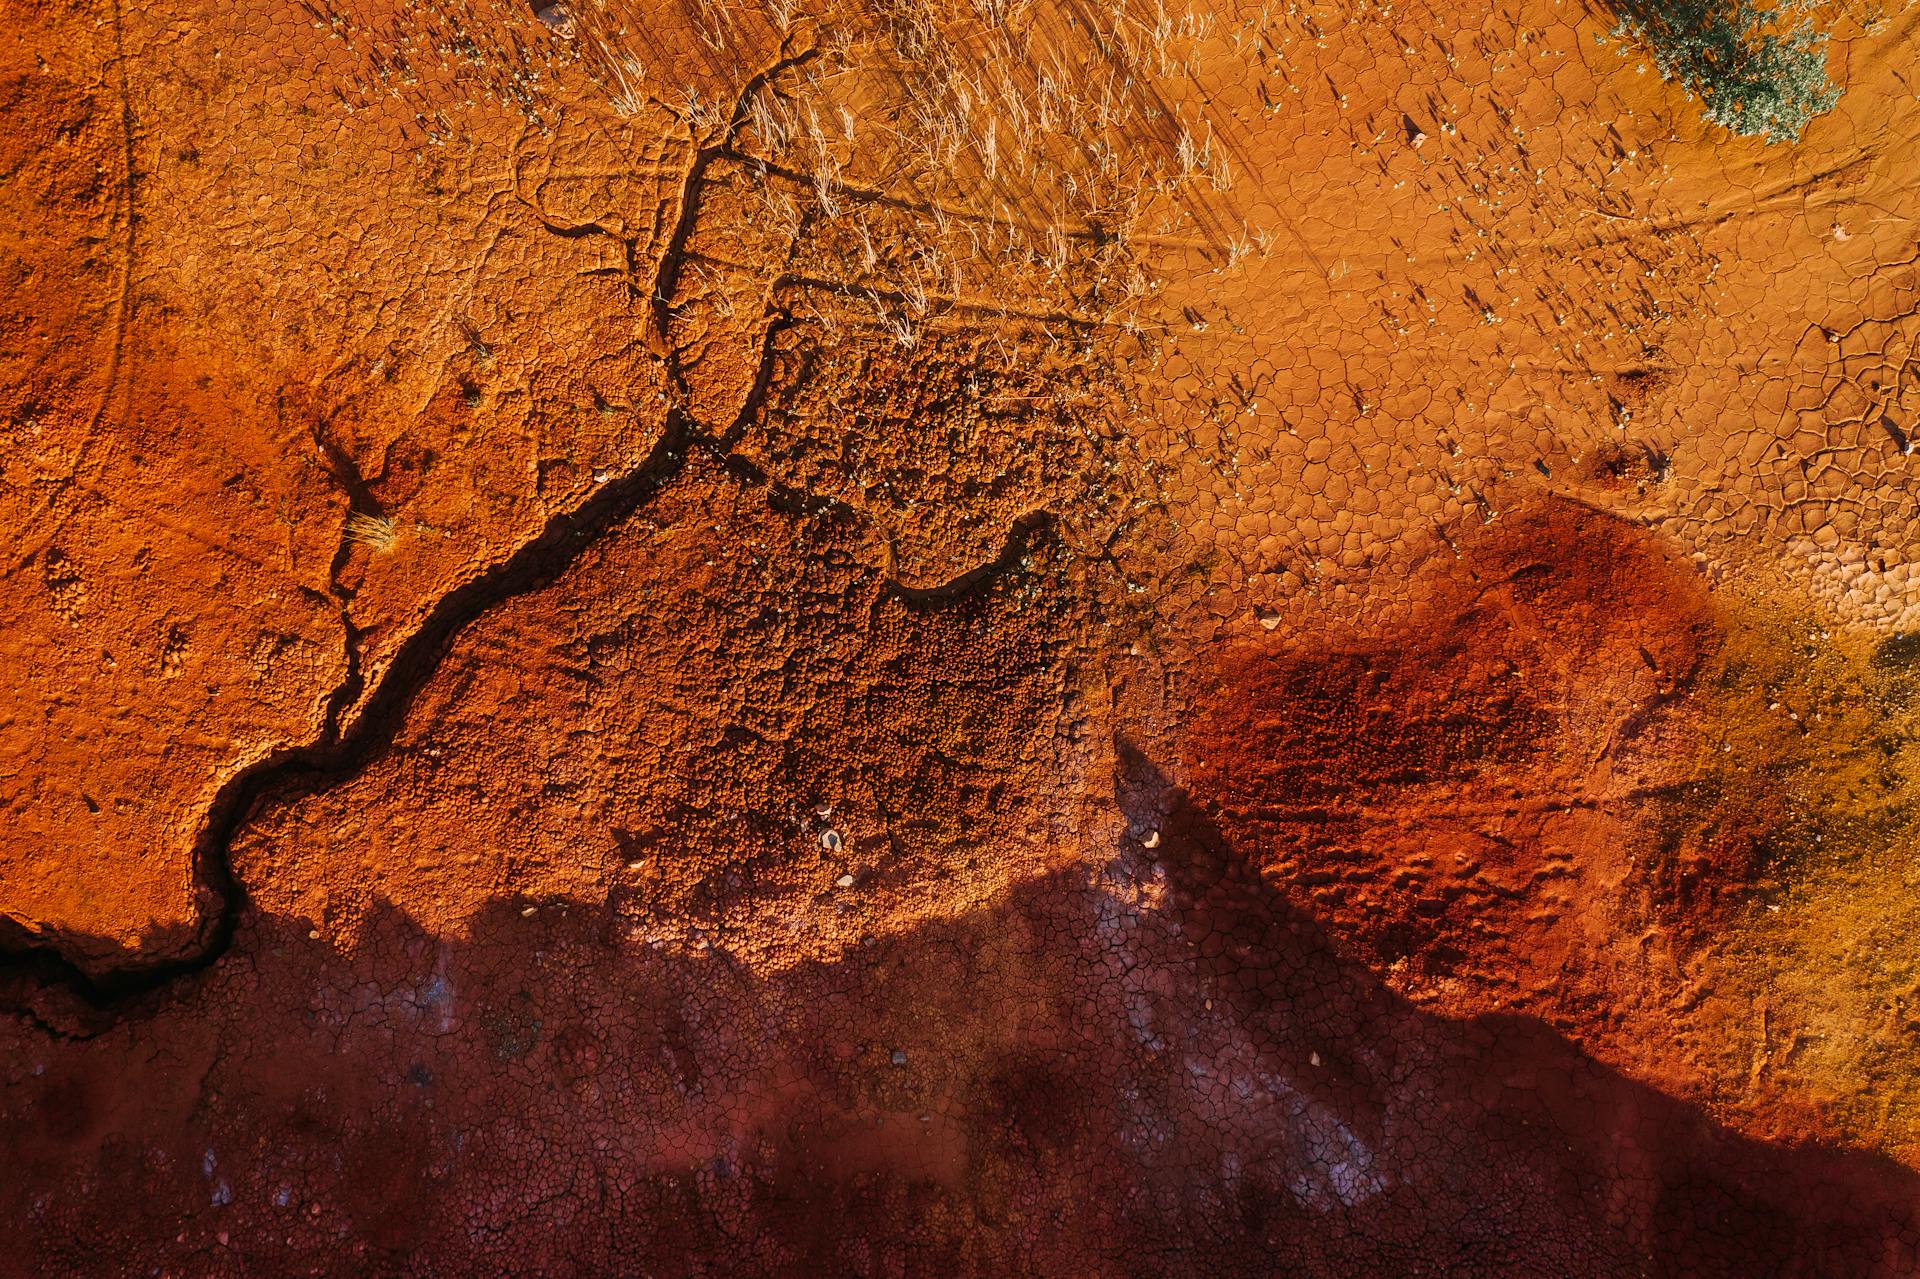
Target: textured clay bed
x: 1003, y: 638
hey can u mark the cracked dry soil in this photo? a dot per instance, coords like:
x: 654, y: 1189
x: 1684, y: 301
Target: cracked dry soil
x: 1007, y: 639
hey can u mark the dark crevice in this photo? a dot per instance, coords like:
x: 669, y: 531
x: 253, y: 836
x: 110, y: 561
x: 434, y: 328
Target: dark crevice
x: 295, y: 771
x: 360, y: 502
x: 1020, y: 536
x: 346, y: 473
x: 674, y: 256
x: 793, y: 500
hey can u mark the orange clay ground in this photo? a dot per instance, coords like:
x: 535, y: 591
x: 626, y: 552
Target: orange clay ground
x: 1000, y: 638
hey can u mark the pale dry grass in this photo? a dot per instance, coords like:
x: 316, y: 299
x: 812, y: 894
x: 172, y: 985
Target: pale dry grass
x: 374, y: 532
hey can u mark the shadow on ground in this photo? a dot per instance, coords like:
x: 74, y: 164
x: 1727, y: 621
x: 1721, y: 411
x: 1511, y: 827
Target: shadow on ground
x: 1161, y: 1068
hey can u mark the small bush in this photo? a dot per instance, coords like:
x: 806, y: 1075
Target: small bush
x: 1751, y: 76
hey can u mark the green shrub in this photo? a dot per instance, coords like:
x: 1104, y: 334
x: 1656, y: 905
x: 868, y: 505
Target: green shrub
x: 1751, y: 76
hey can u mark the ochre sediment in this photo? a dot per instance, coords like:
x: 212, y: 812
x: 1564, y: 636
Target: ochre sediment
x: 1013, y: 640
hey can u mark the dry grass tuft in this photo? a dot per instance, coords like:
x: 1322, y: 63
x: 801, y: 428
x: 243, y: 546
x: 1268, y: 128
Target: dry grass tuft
x: 375, y: 532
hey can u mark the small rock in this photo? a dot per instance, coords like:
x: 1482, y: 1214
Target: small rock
x: 1152, y: 840
x: 528, y: 911
x: 845, y: 881
x: 831, y: 841
x: 899, y: 1057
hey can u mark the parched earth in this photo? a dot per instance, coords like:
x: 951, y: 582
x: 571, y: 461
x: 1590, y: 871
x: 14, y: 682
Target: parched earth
x: 987, y: 639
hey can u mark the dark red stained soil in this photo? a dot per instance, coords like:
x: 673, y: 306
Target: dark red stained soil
x: 1462, y: 796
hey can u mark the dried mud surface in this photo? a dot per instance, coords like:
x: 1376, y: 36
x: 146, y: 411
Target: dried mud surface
x: 979, y: 640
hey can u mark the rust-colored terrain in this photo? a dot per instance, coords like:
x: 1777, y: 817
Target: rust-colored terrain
x: 1009, y: 638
